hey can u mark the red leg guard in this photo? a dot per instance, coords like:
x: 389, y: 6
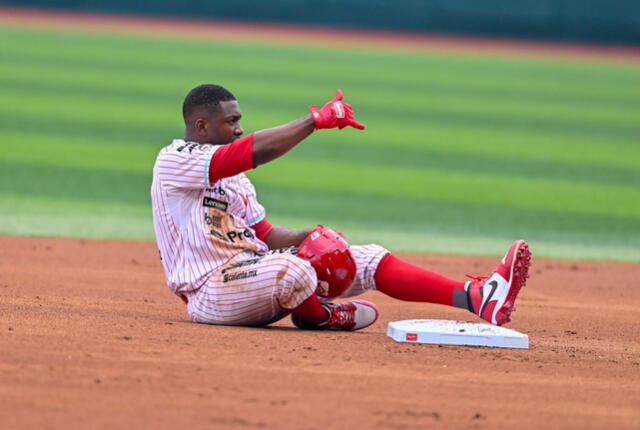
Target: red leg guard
x: 405, y: 281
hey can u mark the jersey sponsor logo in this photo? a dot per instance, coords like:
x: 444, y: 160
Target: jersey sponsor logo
x: 213, y: 220
x: 210, y: 202
x: 242, y: 263
x: 240, y: 275
x: 232, y: 236
x: 290, y: 250
x: 218, y: 235
x: 216, y: 190
x: 240, y: 235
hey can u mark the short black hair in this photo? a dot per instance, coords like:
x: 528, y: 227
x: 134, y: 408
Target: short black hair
x: 208, y: 95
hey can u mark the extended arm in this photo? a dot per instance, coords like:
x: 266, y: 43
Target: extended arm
x: 272, y: 143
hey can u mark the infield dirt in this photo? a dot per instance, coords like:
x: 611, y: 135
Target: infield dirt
x: 90, y: 337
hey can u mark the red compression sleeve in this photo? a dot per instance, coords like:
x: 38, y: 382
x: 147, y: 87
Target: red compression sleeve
x: 311, y: 311
x: 231, y: 159
x: 262, y: 229
x: 405, y: 281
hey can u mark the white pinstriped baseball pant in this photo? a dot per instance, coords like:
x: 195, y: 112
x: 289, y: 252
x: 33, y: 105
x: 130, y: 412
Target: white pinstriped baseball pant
x: 264, y: 289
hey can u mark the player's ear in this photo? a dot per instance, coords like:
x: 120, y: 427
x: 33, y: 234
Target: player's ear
x: 201, y: 126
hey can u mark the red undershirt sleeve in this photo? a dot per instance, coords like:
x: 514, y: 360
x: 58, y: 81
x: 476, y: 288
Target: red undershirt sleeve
x: 229, y: 160
x: 262, y: 229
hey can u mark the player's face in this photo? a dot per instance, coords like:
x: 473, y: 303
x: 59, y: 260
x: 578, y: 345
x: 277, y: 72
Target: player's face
x: 224, y: 123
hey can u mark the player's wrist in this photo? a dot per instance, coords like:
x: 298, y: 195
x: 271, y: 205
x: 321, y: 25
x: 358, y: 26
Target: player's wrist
x: 309, y: 121
x: 319, y: 118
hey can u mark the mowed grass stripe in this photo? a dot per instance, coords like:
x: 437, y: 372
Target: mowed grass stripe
x: 51, y: 216
x: 456, y: 186
x: 32, y: 100
x: 448, y: 218
x: 74, y: 183
x: 381, y: 181
x: 567, y: 121
x: 375, y: 208
x: 101, y: 153
x: 349, y: 211
x: 151, y: 81
x: 84, y: 153
x: 597, y: 154
x: 118, y: 49
x: 441, y: 96
x: 457, y: 73
x: 476, y: 140
x: 42, y: 215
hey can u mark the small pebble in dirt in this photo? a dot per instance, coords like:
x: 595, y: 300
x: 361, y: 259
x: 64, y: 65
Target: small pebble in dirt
x: 10, y: 328
x: 479, y: 416
x: 98, y: 381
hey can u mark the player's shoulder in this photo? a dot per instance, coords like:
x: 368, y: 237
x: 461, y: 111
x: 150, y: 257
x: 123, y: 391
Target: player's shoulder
x: 180, y: 151
x: 244, y: 180
x: 186, y: 148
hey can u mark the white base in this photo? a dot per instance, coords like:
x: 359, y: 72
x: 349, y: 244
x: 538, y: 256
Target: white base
x: 456, y: 333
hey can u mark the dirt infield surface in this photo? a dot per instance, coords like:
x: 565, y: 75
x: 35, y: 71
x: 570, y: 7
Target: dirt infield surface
x: 91, y: 338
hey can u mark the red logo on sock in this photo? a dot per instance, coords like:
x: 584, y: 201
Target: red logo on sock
x: 412, y: 337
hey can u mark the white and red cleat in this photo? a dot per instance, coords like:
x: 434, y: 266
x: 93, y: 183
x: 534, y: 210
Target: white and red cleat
x: 493, y: 298
x: 353, y: 315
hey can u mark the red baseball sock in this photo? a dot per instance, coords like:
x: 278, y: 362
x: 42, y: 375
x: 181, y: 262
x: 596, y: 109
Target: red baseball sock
x: 311, y: 311
x: 405, y: 281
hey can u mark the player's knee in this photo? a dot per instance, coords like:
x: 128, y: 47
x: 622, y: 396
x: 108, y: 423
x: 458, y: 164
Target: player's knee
x: 297, y: 270
x: 296, y: 280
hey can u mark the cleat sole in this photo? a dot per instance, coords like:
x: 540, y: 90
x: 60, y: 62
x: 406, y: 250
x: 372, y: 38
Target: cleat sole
x: 519, y: 279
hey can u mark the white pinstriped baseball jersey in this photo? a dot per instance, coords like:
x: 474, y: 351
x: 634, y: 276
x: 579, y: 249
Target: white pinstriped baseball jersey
x: 200, y: 225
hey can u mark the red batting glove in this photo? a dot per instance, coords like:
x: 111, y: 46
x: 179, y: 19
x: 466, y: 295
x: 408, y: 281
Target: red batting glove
x: 336, y: 113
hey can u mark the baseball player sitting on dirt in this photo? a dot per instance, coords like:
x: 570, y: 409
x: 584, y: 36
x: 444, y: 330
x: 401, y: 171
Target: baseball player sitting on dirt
x: 223, y: 257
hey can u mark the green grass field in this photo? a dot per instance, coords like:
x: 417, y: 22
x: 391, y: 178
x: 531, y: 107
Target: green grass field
x: 462, y: 153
